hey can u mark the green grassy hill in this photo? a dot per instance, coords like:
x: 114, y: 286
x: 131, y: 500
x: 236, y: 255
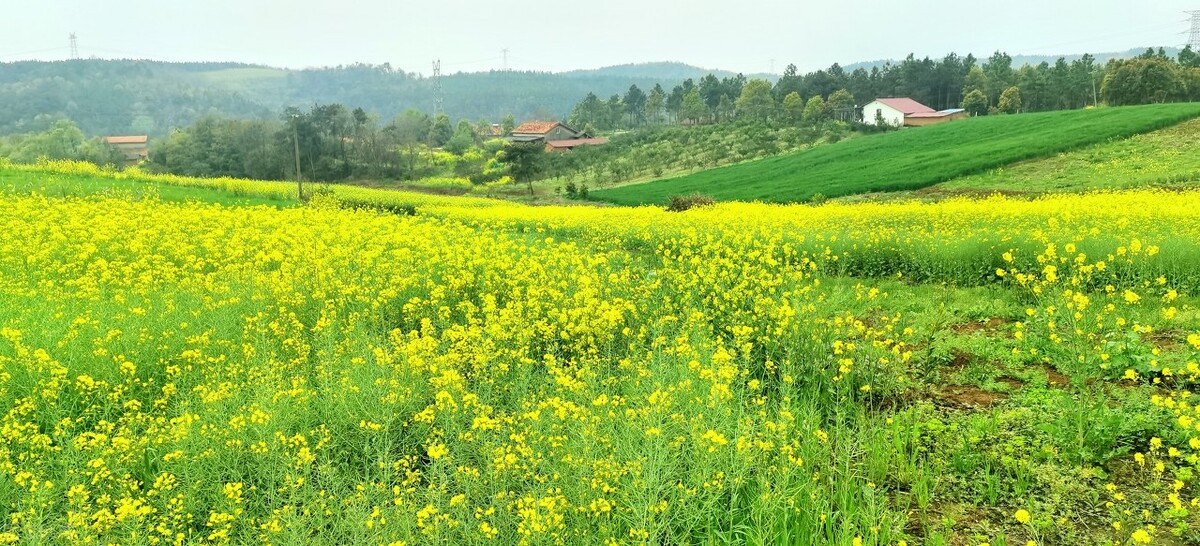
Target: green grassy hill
x: 910, y: 159
x: 1168, y: 157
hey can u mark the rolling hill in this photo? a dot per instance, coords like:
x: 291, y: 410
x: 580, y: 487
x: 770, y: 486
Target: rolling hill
x: 909, y: 159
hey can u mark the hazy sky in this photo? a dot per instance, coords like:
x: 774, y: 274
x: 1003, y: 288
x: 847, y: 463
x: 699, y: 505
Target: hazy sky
x: 468, y: 35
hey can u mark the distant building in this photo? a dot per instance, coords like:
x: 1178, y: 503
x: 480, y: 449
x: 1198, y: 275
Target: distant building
x: 135, y: 148
x: 568, y: 145
x: 545, y: 131
x: 903, y: 111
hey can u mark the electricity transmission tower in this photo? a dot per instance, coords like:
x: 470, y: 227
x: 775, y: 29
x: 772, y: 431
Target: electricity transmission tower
x: 437, y: 86
x: 74, y: 46
x: 505, y: 66
x: 1194, y: 38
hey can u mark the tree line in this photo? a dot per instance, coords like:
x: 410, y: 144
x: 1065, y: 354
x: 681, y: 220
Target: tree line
x: 991, y: 86
x: 334, y: 143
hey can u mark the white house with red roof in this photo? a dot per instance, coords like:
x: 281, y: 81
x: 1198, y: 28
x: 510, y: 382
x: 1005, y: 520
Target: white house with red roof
x: 905, y: 112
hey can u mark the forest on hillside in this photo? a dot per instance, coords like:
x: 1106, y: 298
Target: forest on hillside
x: 105, y: 97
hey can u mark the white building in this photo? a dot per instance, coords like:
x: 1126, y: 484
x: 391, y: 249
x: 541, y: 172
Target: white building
x: 905, y: 112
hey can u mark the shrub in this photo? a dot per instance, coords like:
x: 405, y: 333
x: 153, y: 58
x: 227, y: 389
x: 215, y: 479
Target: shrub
x: 680, y: 203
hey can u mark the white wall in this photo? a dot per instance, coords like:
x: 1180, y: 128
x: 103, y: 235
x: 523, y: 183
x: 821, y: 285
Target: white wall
x: 891, y: 115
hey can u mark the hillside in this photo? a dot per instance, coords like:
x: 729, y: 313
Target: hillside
x: 151, y: 97
x: 909, y: 159
x: 1165, y: 158
x: 664, y: 70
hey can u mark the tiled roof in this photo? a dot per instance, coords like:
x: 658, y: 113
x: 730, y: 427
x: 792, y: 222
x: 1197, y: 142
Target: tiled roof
x: 536, y: 127
x: 126, y: 139
x: 906, y: 105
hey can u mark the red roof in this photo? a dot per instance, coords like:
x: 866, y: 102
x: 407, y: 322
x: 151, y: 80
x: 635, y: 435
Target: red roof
x: 906, y: 105
x: 576, y: 142
x: 126, y: 139
x: 536, y: 127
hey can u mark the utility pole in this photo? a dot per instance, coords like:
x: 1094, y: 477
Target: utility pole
x: 74, y: 46
x: 505, y: 52
x: 437, y: 86
x: 1194, y: 37
x: 296, y: 143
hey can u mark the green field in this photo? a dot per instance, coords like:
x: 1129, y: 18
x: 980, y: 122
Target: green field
x: 910, y: 159
x: 17, y: 182
x: 1167, y: 158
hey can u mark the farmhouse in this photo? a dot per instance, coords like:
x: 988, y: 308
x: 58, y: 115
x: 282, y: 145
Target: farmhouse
x: 903, y: 111
x: 545, y: 131
x: 135, y: 148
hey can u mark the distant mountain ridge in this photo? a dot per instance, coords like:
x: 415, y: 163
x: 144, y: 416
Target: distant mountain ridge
x: 665, y: 70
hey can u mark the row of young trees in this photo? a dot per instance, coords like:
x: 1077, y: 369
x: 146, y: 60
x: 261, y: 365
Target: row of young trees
x: 991, y: 86
x: 334, y: 144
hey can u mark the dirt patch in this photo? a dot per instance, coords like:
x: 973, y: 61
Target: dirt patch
x: 968, y: 397
x: 1012, y: 382
x: 1165, y: 340
x: 965, y: 518
x: 961, y: 360
x: 989, y: 325
x: 1056, y: 379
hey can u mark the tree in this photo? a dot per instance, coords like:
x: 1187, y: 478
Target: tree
x: 61, y: 141
x: 1144, y: 80
x: 789, y: 83
x: 711, y: 92
x: 693, y: 107
x: 411, y: 130
x: 463, y: 139
x: 441, y: 131
x: 655, y: 103
x: 1010, y: 101
x: 508, y: 124
x: 793, y: 106
x: 635, y: 104
x: 755, y: 100
x: 1189, y: 58
x: 815, y: 111
x: 1000, y: 75
x: 590, y: 111
x: 524, y: 161
x: 841, y: 105
x: 975, y: 103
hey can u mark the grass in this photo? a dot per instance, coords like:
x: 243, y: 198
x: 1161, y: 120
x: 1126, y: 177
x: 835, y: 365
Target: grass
x: 1164, y: 158
x: 909, y: 159
x: 82, y: 185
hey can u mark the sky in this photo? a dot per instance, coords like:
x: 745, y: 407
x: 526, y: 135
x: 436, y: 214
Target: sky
x: 748, y: 36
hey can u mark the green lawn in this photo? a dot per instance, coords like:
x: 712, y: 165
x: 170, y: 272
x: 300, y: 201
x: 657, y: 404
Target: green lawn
x: 912, y: 158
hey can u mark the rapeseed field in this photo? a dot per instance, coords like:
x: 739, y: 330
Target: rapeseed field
x: 989, y: 371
